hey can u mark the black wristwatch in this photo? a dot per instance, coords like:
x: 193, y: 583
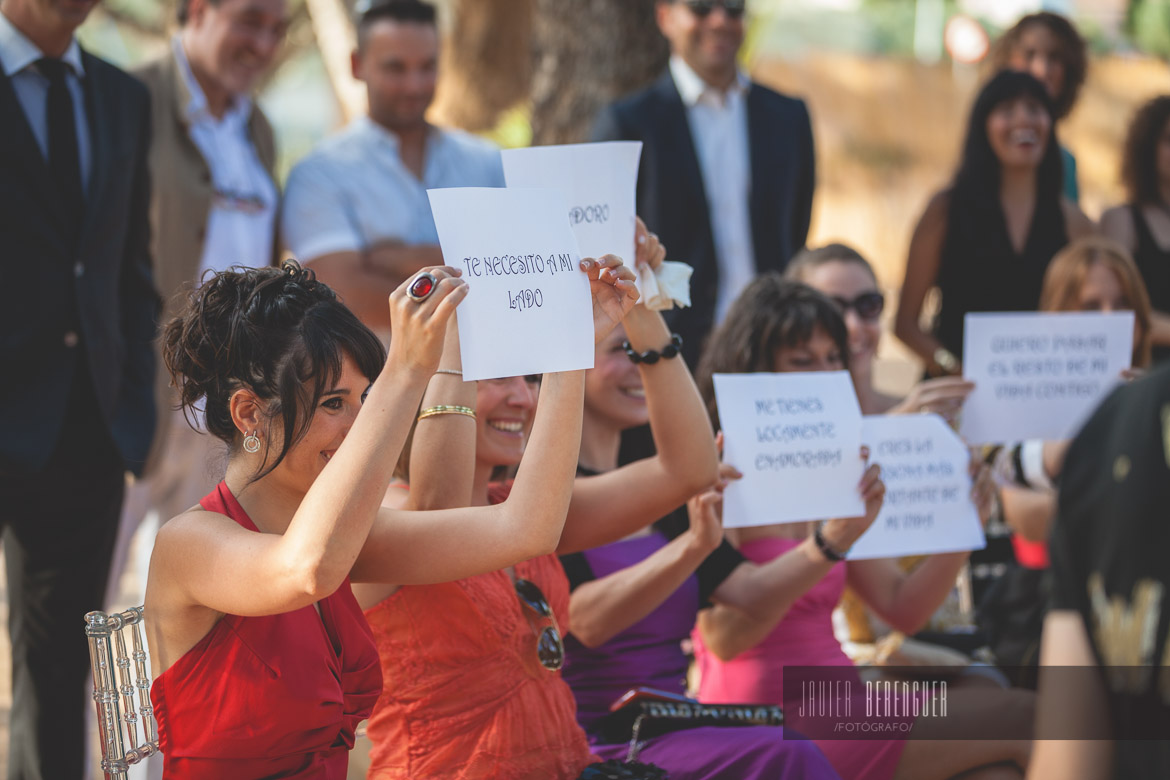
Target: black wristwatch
x: 823, y: 546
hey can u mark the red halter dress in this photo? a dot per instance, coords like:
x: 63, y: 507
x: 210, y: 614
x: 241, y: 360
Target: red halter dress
x: 276, y: 696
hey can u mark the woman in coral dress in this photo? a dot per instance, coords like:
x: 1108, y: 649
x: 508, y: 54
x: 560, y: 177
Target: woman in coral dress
x: 471, y: 668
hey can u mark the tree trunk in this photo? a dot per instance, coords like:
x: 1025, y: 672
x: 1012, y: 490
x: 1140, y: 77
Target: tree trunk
x: 587, y: 53
x: 336, y: 40
x: 486, y: 61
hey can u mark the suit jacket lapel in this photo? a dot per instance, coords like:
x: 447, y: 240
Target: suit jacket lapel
x: 764, y: 155
x: 98, y: 108
x: 19, y: 146
x: 677, y: 138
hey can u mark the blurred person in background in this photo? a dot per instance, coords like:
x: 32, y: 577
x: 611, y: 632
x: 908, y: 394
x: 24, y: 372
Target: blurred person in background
x: 728, y: 169
x: 986, y: 241
x: 1048, y: 46
x: 1091, y: 274
x: 76, y: 404
x: 1109, y: 603
x: 841, y: 273
x: 213, y: 206
x: 356, y: 208
x: 1142, y: 224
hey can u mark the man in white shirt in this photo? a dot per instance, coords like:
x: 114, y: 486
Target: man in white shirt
x: 356, y: 208
x: 214, y: 204
x: 727, y: 170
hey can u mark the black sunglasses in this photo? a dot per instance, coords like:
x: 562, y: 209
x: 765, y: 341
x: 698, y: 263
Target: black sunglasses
x: 867, y: 305
x: 700, y: 8
x: 549, y: 647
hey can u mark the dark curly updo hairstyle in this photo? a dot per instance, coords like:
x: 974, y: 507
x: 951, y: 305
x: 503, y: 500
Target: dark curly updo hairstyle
x: 277, y: 332
x: 1139, y: 162
x: 771, y: 313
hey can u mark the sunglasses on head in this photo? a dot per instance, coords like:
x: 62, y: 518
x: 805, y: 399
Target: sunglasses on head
x: 701, y: 8
x: 550, y: 650
x: 868, y: 305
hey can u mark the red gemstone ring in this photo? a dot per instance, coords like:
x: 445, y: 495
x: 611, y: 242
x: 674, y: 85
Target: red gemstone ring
x: 421, y: 288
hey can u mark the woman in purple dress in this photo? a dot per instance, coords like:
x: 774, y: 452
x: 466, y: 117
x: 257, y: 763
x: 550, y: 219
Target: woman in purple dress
x: 634, y: 601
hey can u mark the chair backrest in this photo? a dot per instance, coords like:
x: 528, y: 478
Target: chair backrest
x: 121, y: 689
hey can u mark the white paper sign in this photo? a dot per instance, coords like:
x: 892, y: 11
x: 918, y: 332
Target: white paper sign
x: 796, y: 438
x: 599, y: 182
x: 1040, y: 375
x: 528, y: 309
x: 928, y: 507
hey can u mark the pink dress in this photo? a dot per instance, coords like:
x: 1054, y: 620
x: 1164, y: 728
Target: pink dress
x: 803, y: 638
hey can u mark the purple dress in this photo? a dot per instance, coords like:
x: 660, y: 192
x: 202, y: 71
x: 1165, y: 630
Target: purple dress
x: 649, y: 654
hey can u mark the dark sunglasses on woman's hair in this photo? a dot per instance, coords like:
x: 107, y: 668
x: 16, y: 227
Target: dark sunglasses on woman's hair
x: 549, y: 647
x: 867, y: 305
x: 701, y: 8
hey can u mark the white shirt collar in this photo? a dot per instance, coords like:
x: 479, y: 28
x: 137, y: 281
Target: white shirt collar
x: 691, y: 87
x: 196, y: 109
x: 17, y: 52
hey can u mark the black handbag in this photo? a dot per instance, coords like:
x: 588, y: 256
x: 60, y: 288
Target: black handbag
x: 645, y: 713
x: 623, y: 770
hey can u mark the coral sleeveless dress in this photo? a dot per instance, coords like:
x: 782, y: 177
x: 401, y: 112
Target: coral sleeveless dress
x: 277, y: 696
x: 803, y: 638
x: 466, y: 696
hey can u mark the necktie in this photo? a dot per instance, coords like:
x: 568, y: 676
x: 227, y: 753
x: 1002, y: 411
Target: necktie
x: 64, y: 160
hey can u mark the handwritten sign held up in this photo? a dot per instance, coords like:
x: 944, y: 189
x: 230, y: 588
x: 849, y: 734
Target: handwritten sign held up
x: 1039, y: 375
x: 797, y: 440
x: 528, y: 309
x: 599, y: 182
x: 928, y: 506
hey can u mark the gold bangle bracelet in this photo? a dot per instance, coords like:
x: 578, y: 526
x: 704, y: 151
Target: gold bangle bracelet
x: 432, y: 411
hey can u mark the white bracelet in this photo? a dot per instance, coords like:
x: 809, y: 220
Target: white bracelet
x: 1032, y: 464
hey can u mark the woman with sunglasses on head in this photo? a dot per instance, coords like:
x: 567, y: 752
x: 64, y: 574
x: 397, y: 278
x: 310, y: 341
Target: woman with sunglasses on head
x: 847, y: 278
x: 263, y: 663
x: 985, y: 241
x: 780, y: 325
x: 472, y: 682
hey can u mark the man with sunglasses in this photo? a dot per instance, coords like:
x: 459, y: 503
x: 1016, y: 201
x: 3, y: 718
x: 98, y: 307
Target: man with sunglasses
x: 727, y: 169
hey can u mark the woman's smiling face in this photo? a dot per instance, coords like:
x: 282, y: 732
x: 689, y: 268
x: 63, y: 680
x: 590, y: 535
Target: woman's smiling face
x: 613, y: 387
x: 504, y: 413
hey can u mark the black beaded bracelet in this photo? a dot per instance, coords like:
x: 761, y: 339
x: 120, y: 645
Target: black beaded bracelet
x: 823, y: 546
x: 650, y: 356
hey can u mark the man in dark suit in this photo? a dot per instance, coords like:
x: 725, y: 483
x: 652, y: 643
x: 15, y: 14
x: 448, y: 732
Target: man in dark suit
x: 727, y: 170
x: 76, y: 400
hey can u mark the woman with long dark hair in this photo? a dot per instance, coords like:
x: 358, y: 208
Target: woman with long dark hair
x: 1142, y: 223
x: 986, y: 240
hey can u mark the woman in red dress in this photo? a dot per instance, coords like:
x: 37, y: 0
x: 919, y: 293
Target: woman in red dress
x: 264, y: 664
